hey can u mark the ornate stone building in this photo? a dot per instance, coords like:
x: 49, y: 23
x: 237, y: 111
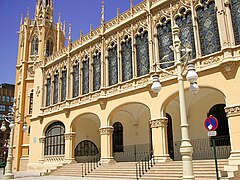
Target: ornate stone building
x: 94, y: 95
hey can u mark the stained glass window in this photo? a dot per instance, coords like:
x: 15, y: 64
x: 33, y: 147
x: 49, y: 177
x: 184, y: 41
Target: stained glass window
x: 186, y: 32
x: 55, y: 141
x: 55, y: 87
x: 208, y: 28
x: 142, y: 51
x: 127, y: 72
x: 96, y: 72
x: 113, y: 66
x: 49, y: 47
x: 85, y: 83
x: 165, y: 42
x: 76, y: 80
x: 34, y: 46
x: 48, y: 92
x: 235, y: 10
x: 64, y: 85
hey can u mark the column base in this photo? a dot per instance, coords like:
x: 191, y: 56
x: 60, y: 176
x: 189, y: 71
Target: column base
x: 162, y: 158
x: 107, y: 160
x: 8, y: 176
x: 234, y: 158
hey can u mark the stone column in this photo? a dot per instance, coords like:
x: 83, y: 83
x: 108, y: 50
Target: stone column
x: 106, y: 144
x: 159, y: 138
x: 42, y: 142
x: 69, y: 147
x: 233, y: 114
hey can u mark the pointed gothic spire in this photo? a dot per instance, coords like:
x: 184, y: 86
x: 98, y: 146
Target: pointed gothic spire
x: 59, y: 17
x: 21, y: 20
x: 69, y: 33
x: 28, y: 10
x: 131, y: 4
x: 102, y: 19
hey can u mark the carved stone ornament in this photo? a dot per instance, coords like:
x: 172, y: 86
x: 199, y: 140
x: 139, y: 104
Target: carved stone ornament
x: 70, y: 135
x: 228, y: 67
x: 31, y: 71
x: 42, y: 139
x: 161, y: 122
x: 232, y: 110
x: 38, y: 91
x: 107, y: 130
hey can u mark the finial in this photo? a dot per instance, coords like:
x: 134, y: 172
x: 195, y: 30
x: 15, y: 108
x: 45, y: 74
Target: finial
x: 28, y: 10
x: 102, y: 19
x: 70, y: 33
x: 91, y: 29
x: 118, y: 13
x: 64, y: 27
x: 131, y: 4
x: 59, y: 17
x: 21, y: 20
x: 80, y: 34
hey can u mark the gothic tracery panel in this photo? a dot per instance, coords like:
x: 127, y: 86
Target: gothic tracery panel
x: 96, y: 72
x: 55, y: 87
x: 85, y: 80
x: 127, y: 72
x: 64, y: 85
x: 75, y: 80
x: 113, y: 66
x: 48, y: 92
x: 235, y: 10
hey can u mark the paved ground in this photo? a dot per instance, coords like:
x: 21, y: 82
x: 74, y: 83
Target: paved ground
x: 36, y: 176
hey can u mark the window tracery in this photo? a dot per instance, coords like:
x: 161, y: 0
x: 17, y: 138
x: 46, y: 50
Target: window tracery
x: 113, y: 65
x: 96, y: 71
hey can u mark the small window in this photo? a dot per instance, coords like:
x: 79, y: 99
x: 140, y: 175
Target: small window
x: 3, y: 98
x: 34, y: 46
x: 8, y: 99
x: 12, y: 99
x: 2, y: 108
x: 31, y: 102
x: 1, y: 117
x: 10, y: 108
x: 49, y: 47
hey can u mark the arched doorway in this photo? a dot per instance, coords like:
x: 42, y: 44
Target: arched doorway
x: 170, y: 136
x: 222, y: 138
x: 85, y: 150
x: 117, y: 137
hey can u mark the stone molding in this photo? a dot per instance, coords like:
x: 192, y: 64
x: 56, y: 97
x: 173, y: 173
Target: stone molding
x: 42, y: 139
x: 161, y: 122
x: 233, y: 110
x: 107, y: 130
x: 69, y: 135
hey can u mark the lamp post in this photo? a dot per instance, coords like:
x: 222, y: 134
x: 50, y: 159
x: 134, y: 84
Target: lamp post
x: 8, y: 173
x: 186, y: 148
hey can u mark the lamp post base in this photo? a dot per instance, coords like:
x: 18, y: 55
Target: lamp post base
x: 8, y: 176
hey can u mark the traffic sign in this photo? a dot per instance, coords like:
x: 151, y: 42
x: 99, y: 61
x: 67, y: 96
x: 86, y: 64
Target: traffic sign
x: 211, y: 123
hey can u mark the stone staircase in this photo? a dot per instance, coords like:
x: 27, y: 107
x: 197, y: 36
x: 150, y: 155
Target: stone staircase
x: 172, y: 170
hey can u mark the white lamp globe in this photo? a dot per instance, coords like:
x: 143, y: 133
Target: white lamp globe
x: 156, y: 86
x: 3, y: 127
x: 191, y: 74
x: 11, y: 125
x: 24, y: 128
x: 194, y: 88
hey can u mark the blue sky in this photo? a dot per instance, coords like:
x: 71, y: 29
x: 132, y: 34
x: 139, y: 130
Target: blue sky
x: 80, y: 13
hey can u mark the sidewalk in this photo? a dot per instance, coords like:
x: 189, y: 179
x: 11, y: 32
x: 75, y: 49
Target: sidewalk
x: 33, y: 175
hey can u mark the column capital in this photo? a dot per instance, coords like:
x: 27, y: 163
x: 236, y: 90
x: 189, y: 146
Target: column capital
x: 42, y: 139
x: 159, y: 122
x: 69, y: 135
x: 233, y: 110
x: 106, y: 130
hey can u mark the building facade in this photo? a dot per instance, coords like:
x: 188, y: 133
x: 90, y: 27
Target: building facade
x: 94, y: 95
x: 6, y: 105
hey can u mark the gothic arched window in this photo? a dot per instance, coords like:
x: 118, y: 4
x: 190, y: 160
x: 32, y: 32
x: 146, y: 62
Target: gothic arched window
x: 165, y: 42
x: 112, y: 65
x: 117, y: 137
x: 54, y: 139
x: 48, y: 92
x: 34, y: 45
x: 96, y: 71
x: 49, y: 47
x: 142, y: 50
x: 64, y: 85
x: 127, y: 72
x: 208, y: 28
x: 75, y: 80
x: 55, y: 88
x: 185, y: 24
x: 235, y: 10
x: 85, y: 76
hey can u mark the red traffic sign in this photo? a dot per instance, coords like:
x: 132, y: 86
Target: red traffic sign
x: 211, y: 123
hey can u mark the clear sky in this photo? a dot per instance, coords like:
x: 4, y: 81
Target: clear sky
x: 80, y: 13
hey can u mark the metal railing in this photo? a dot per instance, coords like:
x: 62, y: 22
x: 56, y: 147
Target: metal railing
x: 144, y: 164
x: 91, y: 164
x: 203, y: 149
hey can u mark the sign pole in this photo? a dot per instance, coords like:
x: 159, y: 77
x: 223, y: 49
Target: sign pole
x: 215, y: 156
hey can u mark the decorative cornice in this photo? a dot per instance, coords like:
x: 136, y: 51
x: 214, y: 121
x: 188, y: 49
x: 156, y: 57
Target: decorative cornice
x: 161, y: 122
x: 233, y: 110
x: 107, y: 130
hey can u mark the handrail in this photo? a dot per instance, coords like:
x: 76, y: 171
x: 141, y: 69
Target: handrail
x: 144, y: 164
x: 91, y: 164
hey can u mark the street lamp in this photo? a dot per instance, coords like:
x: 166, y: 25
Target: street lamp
x: 9, y: 174
x: 181, y: 63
